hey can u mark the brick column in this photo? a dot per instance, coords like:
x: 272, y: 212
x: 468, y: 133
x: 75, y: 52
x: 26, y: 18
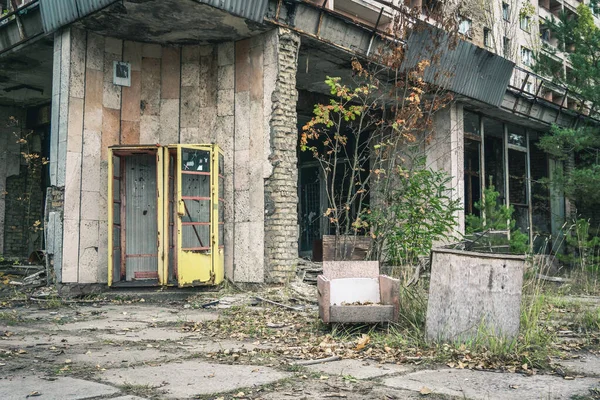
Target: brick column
x: 281, y: 188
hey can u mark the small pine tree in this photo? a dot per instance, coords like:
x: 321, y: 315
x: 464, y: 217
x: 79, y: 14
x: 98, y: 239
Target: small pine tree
x: 496, y: 217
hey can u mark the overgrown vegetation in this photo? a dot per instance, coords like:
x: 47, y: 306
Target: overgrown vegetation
x: 578, y: 148
x: 370, y: 142
x: 494, y: 216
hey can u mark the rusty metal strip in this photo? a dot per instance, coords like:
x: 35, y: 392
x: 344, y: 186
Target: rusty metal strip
x: 195, y: 230
x: 374, y: 31
x: 123, y: 219
x: 195, y: 173
x: 22, y: 34
x: 521, y: 92
x: 562, y: 104
x: 145, y: 275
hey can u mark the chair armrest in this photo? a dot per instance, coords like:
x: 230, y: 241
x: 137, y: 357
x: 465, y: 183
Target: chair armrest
x: 324, y: 297
x: 390, y: 293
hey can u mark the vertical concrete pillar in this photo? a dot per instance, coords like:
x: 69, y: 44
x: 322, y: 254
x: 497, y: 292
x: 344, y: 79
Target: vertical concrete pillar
x: 281, y: 195
x: 445, y: 152
x: 73, y: 92
x: 224, y: 137
x: 93, y: 172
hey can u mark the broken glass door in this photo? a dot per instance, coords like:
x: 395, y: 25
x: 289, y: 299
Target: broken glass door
x: 134, y: 216
x: 194, y: 209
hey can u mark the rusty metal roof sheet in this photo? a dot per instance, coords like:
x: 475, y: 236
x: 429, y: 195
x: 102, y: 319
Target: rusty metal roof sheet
x: 466, y: 69
x: 254, y: 10
x: 57, y: 13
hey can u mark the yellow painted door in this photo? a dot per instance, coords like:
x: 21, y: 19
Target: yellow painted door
x: 194, y: 215
x: 219, y: 215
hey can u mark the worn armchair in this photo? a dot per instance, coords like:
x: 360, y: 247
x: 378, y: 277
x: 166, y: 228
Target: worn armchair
x: 354, y: 292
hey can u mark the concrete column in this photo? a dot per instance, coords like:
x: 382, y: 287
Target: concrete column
x: 281, y: 192
x: 445, y: 152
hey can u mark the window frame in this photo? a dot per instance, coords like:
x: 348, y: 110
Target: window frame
x: 469, y: 22
x: 505, y: 11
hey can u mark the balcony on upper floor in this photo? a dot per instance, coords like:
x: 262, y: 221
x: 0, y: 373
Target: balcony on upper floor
x: 19, y: 23
x: 550, y: 8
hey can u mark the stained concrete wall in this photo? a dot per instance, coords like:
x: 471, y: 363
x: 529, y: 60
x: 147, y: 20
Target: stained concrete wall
x: 10, y: 159
x: 187, y: 94
x: 470, y: 291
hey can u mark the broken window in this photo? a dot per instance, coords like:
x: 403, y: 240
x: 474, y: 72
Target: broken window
x: 472, y: 167
x: 505, y: 11
x: 494, y: 156
x: 516, y: 169
x: 464, y: 27
x: 487, y: 40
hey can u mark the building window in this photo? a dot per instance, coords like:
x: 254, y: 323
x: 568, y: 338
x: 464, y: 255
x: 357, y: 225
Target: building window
x: 525, y: 23
x: 526, y: 56
x: 506, y: 47
x: 506, y: 11
x: 545, y: 33
x: 464, y: 26
x: 487, y: 39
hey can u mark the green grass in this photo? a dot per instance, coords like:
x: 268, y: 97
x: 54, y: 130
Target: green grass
x: 9, y: 318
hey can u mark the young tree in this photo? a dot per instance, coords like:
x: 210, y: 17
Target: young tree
x: 370, y: 142
x: 580, y: 38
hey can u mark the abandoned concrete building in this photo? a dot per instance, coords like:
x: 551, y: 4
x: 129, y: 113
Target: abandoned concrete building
x: 171, y: 129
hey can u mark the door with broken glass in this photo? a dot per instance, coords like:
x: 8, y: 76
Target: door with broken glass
x: 134, y: 216
x: 166, y: 215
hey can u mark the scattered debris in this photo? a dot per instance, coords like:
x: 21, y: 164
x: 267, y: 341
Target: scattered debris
x: 278, y: 304
x: 317, y: 361
x: 309, y: 270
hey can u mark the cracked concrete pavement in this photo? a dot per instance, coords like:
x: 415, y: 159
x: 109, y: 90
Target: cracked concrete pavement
x: 141, y: 351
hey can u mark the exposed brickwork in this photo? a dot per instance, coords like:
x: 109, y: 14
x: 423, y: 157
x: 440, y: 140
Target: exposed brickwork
x: 281, y: 197
x: 53, y: 230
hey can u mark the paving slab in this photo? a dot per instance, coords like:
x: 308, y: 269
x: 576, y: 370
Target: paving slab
x: 493, y: 386
x: 191, y: 378
x: 38, y: 339
x: 59, y: 389
x: 588, y: 365
x: 358, y: 369
x: 127, y: 398
x: 98, y: 325
x: 148, y: 334
x: 156, y: 314
x: 115, y: 357
x: 215, y: 345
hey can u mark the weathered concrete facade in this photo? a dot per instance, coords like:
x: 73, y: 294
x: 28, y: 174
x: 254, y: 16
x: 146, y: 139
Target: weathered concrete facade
x: 179, y: 94
x: 232, y: 80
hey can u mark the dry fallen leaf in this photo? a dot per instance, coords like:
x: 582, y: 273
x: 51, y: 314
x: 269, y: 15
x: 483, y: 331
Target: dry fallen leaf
x: 363, y: 342
x: 425, y: 391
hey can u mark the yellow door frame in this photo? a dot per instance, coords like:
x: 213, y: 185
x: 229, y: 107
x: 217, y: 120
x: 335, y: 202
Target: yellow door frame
x: 114, y: 151
x: 193, y: 268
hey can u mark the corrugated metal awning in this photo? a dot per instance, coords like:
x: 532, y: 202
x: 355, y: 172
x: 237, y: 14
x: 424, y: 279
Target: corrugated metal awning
x: 254, y: 10
x: 57, y: 13
x: 465, y: 69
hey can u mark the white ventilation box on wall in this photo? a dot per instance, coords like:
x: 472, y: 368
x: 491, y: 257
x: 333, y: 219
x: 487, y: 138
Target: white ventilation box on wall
x: 121, y: 73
